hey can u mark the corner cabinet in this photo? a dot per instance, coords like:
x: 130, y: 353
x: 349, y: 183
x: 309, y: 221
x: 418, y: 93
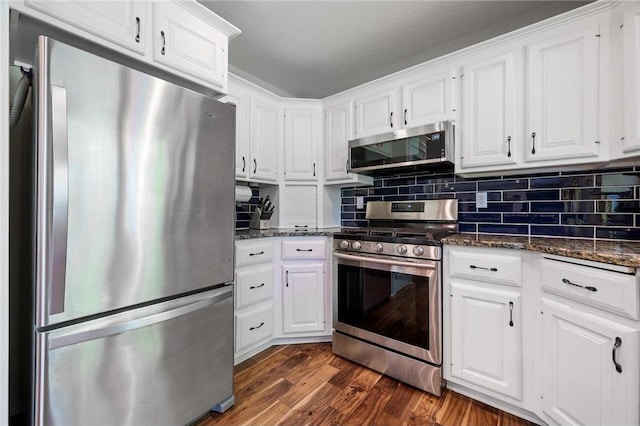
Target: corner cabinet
x: 337, y: 133
x: 485, y: 319
x: 302, y: 130
x: 304, y: 286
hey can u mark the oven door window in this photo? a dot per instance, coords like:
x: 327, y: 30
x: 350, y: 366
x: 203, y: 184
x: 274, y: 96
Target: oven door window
x: 391, y: 304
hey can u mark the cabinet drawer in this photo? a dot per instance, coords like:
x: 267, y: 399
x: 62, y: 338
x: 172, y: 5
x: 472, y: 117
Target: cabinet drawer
x: 253, y: 285
x: 254, y: 253
x: 612, y: 291
x: 302, y: 249
x: 500, y: 269
x: 253, y: 327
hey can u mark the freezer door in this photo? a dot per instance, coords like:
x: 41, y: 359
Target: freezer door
x: 135, y: 186
x: 166, y: 364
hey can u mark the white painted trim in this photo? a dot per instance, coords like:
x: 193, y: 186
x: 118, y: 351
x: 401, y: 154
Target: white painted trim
x: 4, y: 212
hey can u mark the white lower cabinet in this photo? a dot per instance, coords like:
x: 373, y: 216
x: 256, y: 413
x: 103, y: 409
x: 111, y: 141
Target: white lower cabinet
x: 589, y: 367
x: 550, y: 338
x: 254, y: 317
x: 303, y: 304
x: 486, y: 338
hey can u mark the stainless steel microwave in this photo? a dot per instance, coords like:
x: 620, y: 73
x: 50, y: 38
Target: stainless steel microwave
x: 418, y: 148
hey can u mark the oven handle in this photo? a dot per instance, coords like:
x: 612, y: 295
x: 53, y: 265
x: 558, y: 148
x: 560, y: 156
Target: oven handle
x: 385, y: 261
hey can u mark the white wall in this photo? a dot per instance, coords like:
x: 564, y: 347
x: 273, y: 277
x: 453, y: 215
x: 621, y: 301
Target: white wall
x: 4, y: 212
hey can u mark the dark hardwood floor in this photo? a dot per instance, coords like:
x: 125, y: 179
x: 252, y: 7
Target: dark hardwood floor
x: 309, y: 385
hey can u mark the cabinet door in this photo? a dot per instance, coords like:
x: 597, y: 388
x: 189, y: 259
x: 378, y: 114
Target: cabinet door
x: 486, y: 335
x: 375, y: 113
x: 563, y: 97
x: 489, y: 113
x: 428, y: 100
x: 301, y: 132
x: 241, y: 100
x: 189, y: 44
x: 263, y: 139
x: 580, y: 382
x: 337, y: 132
x: 303, y: 297
x: 121, y: 22
x: 631, y: 82
x: 300, y: 206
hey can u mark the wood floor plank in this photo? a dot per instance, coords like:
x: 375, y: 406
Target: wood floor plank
x: 453, y: 409
x: 309, y: 385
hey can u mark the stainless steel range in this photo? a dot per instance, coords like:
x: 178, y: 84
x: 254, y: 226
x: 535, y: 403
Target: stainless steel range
x: 390, y: 290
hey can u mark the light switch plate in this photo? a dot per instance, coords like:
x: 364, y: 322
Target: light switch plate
x: 481, y: 200
x: 360, y: 203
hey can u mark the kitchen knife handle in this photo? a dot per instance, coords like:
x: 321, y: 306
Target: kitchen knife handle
x: 137, y: 29
x: 164, y: 42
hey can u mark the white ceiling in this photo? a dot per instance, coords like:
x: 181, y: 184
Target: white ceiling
x: 313, y: 49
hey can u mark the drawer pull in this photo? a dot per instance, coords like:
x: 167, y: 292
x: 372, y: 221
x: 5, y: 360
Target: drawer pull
x: 257, y: 327
x: 616, y: 345
x: 587, y: 287
x: 510, y: 314
x: 253, y: 287
x: 300, y: 226
x: 481, y: 267
x: 304, y: 249
x: 256, y: 254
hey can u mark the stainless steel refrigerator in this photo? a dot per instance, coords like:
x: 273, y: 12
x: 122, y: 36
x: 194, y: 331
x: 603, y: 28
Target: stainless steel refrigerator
x: 133, y: 223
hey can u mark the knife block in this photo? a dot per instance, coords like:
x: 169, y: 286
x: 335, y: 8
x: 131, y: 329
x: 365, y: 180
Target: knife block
x: 257, y: 223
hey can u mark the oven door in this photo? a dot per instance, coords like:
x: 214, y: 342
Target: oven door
x: 393, y: 303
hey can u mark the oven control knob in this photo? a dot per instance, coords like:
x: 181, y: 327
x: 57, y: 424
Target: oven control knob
x: 356, y: 245
x: 402, y: 249
x: 379, y: 247
x: 344, y: 244
x: 418, y: 251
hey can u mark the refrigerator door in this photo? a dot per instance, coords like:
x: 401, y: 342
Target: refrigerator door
x: 165, y: 364
x: 135, y: 187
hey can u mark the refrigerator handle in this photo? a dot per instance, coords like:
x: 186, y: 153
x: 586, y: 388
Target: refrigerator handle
x: 97, y: 331
x: 60, y: 198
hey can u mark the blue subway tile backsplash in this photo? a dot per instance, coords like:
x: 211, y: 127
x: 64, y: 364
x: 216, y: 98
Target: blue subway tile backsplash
x: 601, y: 204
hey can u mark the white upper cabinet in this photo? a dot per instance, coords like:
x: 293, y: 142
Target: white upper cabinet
x: 428, y: 99
x: 263, y: 139
x: 563, y: 89
x: 488, y: 130
x: 301, y: 142
x: 121, y: 22
x: 181, y: 38
x: 337, y: 133
x: 188, y: 43
x: 631, y: 82
x: 240, y: 98
x: 376, y: 114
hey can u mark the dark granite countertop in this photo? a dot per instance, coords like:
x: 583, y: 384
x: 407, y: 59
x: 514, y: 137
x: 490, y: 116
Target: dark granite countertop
x: 623, y: 253
x: 247, y: 234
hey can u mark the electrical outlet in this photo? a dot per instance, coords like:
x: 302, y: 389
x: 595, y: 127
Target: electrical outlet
x: 360, y: 203
x: 481, y: 200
